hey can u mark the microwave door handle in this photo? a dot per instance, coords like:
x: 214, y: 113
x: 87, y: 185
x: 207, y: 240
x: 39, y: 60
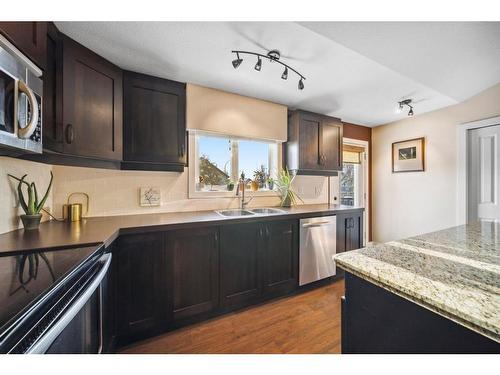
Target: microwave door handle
x: 48, y: 338
x: 28, y: 130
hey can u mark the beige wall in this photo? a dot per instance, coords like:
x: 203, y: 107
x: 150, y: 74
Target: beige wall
x: 9, y: 206
x: 406, y: 204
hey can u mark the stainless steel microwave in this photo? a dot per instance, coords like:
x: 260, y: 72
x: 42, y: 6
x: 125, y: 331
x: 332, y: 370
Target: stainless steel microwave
x: 21, y: 92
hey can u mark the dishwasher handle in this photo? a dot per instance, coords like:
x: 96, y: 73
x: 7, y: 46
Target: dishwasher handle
x: 316, y: 224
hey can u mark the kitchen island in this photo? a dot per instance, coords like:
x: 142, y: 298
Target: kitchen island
x: 433, y: 293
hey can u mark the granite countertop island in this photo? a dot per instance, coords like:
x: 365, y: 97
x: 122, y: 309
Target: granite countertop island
x: 453, y: 272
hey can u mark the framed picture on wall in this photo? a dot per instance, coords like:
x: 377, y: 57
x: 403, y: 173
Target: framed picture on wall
x: 408, y: 156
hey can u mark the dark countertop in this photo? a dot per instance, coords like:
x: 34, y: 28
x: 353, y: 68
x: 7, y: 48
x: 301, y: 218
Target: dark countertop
x: 95, y: 230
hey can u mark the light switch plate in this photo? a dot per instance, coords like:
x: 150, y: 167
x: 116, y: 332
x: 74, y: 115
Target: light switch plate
x: 149, y: 196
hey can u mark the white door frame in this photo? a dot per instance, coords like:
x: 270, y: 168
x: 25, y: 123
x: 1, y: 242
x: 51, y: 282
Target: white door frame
x: 462, y: 152
x: 366, y: 183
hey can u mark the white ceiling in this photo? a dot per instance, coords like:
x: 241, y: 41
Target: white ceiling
x: 356, y: 71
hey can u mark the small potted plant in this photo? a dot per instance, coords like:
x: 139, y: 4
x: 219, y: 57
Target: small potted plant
x: 32, y: 208
x: 260, y: 176
x: 270, y: 182
x: 229, y: 185
x: 284, y: 185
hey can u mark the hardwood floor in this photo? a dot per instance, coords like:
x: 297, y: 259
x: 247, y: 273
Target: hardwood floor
x: 305, y: 323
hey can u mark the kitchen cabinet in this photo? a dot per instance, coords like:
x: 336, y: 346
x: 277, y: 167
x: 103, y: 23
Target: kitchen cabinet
x: 29, y: 38
x: 92, y: 104
x: 240, y: 283
x: 349, y: 231
x: 193, y: 261
x: 154, y: 123
x: 141, y: 286
x: 52, y: 92
x: 314, y: 145
x: 280, y: 257
x: 258, y: 260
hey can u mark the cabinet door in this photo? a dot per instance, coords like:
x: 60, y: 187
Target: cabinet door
x: 141, y: 286
x: 92, y: 104
x: 331, y: 145
x: 349, y: 231
x: 193, y: 258
x: 280, y: 257
x: 28, y: 37
x: 309, y: 141
x: 240, y: 283
x: 52, y: 92
x: 154, y: 123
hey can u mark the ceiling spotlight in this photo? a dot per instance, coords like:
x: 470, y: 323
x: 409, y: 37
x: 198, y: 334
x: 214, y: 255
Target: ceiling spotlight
x: 272, y: 56
x: 402, y: 103
x: 285, y: 74
x: 301, y: 84
x: 258, y: 66
x: 237, y: 62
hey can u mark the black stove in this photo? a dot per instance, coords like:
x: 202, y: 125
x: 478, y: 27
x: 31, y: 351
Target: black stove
x: 32, y: 281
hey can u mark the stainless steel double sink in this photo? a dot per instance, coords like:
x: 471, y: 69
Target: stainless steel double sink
x: 256, y: 211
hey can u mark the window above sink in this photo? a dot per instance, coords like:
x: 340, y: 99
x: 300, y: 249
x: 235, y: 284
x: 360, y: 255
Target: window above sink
x: 216, y: 162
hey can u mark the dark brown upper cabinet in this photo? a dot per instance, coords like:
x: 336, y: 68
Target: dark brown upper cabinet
x: 154, y: 123
x: 314, y: 145
x: 29, y: 38
x: 92, y: 104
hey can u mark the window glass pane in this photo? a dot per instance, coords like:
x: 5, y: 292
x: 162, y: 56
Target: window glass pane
x: 214, y: 163
x: 348, y: 184
x: 253, y: 160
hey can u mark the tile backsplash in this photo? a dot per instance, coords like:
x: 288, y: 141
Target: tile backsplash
x: 115, y: 192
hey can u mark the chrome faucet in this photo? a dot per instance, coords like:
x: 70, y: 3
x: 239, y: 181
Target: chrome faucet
x: 241, y: 183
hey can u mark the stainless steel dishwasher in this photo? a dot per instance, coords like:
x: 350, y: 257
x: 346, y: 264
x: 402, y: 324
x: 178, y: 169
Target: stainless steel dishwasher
x: 318, y: 238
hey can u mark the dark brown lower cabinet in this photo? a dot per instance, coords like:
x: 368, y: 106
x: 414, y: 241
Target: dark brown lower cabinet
x: 240, y: 282
x: 258, y: 261
x: 193, y: 267
x: 349, y: 231
x: 141, y: 286
x: 280, y: 258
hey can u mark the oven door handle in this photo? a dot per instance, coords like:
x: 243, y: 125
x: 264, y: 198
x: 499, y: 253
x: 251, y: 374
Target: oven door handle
x: 28, y: 130
x: 48, y: 338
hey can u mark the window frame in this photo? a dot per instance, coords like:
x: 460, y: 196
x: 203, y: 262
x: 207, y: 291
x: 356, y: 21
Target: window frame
x: 193, y: 166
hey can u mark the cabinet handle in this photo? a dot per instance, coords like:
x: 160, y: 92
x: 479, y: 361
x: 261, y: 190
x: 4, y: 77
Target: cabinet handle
x: 267, y: 232
x: 70, y: 134
x: 182, y: 150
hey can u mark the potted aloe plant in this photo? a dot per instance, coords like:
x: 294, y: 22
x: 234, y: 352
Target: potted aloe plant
x: 33, y: 206
x: 285, y: 190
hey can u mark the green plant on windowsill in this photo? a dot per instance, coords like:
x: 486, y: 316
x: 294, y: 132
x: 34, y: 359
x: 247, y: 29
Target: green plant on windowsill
x: 285, y: 190
x: 32, y: 208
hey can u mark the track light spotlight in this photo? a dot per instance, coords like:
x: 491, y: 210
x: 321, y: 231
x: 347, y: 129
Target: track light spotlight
x: 258, y: 66
x: 402, y: 103
x: 285, y: 74
x: 237, y: 62
x: 301, y: 84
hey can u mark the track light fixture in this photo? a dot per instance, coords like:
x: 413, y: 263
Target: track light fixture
x: 237, y: 62
x: 272, y: 56
x: 258, y: 66
x: 401, y: 104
